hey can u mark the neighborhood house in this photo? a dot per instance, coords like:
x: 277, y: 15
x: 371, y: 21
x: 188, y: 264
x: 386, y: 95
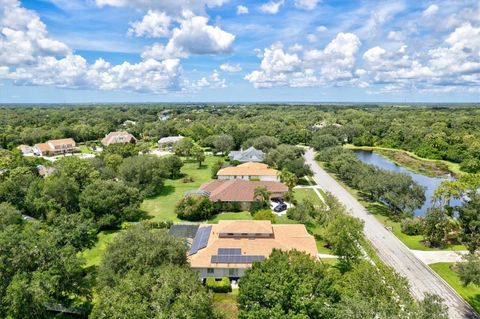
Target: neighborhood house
x: 169, y: 140
x: 118, y: 138
x: 240, y: 191
x: 230, y: 247
x: 249, y: 171
x: 249, y: 155
x: 26, y: 150
x: 55, y: 147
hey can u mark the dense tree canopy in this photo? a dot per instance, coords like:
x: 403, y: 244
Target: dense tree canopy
x: 144, y: 275
x: 110, y: 203
x: 38, y: 268
x: 145, y: 172
x: 194, y: 208
x: 294, y: 285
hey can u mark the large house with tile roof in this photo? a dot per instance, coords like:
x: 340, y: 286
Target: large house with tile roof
x: 230, y: 247
x: 121, y: 137
x: 55, y: 147
x: 249, y: 171
x: 240, y: 191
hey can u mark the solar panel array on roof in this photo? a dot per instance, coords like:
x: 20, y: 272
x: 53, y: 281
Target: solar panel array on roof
x: 201, y: 239
x: 229, y: 251
x: 232, y: 259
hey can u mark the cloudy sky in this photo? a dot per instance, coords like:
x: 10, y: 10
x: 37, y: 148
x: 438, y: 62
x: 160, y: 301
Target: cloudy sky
x: 229, y: 50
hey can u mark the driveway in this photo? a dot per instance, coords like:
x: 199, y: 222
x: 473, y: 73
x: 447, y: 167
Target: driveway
x: 431, y: 257
x: 392, y: 251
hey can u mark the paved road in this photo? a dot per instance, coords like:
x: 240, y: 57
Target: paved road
x: 392, y: 251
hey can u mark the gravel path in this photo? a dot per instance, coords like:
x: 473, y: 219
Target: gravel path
x: 392, y: 251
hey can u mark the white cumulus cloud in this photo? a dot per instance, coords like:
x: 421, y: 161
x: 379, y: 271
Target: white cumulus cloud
x: 241, y: 10
x: 306, y: 4
x: 154, y: 24
x: 171, y: 7
x: 193, y: 36
x: 430, y: 11
x: 231, y: 68
x: 271, y: 7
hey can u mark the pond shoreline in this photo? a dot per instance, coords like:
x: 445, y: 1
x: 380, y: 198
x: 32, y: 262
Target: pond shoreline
x: 412, y: 162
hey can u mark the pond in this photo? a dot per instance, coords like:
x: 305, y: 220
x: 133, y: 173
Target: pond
x: 429, y: 183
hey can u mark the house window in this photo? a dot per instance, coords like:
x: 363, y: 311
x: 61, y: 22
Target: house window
x: 233, y: 272
x: 210, y: 270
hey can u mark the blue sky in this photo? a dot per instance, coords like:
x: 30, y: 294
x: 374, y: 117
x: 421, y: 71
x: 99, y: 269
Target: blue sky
x: 68, y: 51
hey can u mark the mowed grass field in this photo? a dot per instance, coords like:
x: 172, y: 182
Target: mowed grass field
x: 471, y: 293
x: 162, y: 206
x: 302, y: 194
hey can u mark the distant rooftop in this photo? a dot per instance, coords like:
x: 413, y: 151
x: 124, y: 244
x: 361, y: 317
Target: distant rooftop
x: 249, y: 155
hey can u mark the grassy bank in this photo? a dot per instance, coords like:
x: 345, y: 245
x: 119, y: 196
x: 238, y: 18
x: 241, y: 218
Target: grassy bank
x: 413, y: 162
x: 471, y: 293
x: 381, y: 212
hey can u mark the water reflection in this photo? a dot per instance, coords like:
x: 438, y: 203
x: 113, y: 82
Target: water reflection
x: 430, y: 183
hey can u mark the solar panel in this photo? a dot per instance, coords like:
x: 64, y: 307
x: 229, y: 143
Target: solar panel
x: 229, y: 251
x: 236, y: 259
x: 201, y: 239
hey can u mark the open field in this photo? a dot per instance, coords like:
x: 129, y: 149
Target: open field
x: 471, y: 293
x: 162, y: 206
x: 413, y: 162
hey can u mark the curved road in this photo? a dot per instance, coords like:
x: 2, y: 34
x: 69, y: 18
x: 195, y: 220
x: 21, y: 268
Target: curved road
x: 392, y: 251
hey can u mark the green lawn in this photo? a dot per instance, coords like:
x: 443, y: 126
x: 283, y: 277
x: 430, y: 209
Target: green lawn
x: 93, y: 256
x: 227, y: 304
x: 162, y: 206
x: 471, y: 293
x: 85, y: 149
x: 412, y: 242
x: 231, y: 216
x: 302, y: 194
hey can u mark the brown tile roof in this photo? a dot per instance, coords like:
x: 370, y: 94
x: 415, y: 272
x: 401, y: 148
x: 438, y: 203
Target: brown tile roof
x: 285, y: 237
x: 117, y: 137
x: 250, y: 168
x: 43, y: 147
x: 63, y: 141
x: 237, y: 190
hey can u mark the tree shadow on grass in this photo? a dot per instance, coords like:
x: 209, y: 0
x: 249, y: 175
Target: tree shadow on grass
x: 378, y: 209
x: 165, y: 191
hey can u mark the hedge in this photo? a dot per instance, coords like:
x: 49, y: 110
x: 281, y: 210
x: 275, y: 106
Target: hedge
x: 223, y: 285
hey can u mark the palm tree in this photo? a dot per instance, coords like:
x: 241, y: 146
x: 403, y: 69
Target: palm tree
x: 289, y: 179
x: 261, y: 194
